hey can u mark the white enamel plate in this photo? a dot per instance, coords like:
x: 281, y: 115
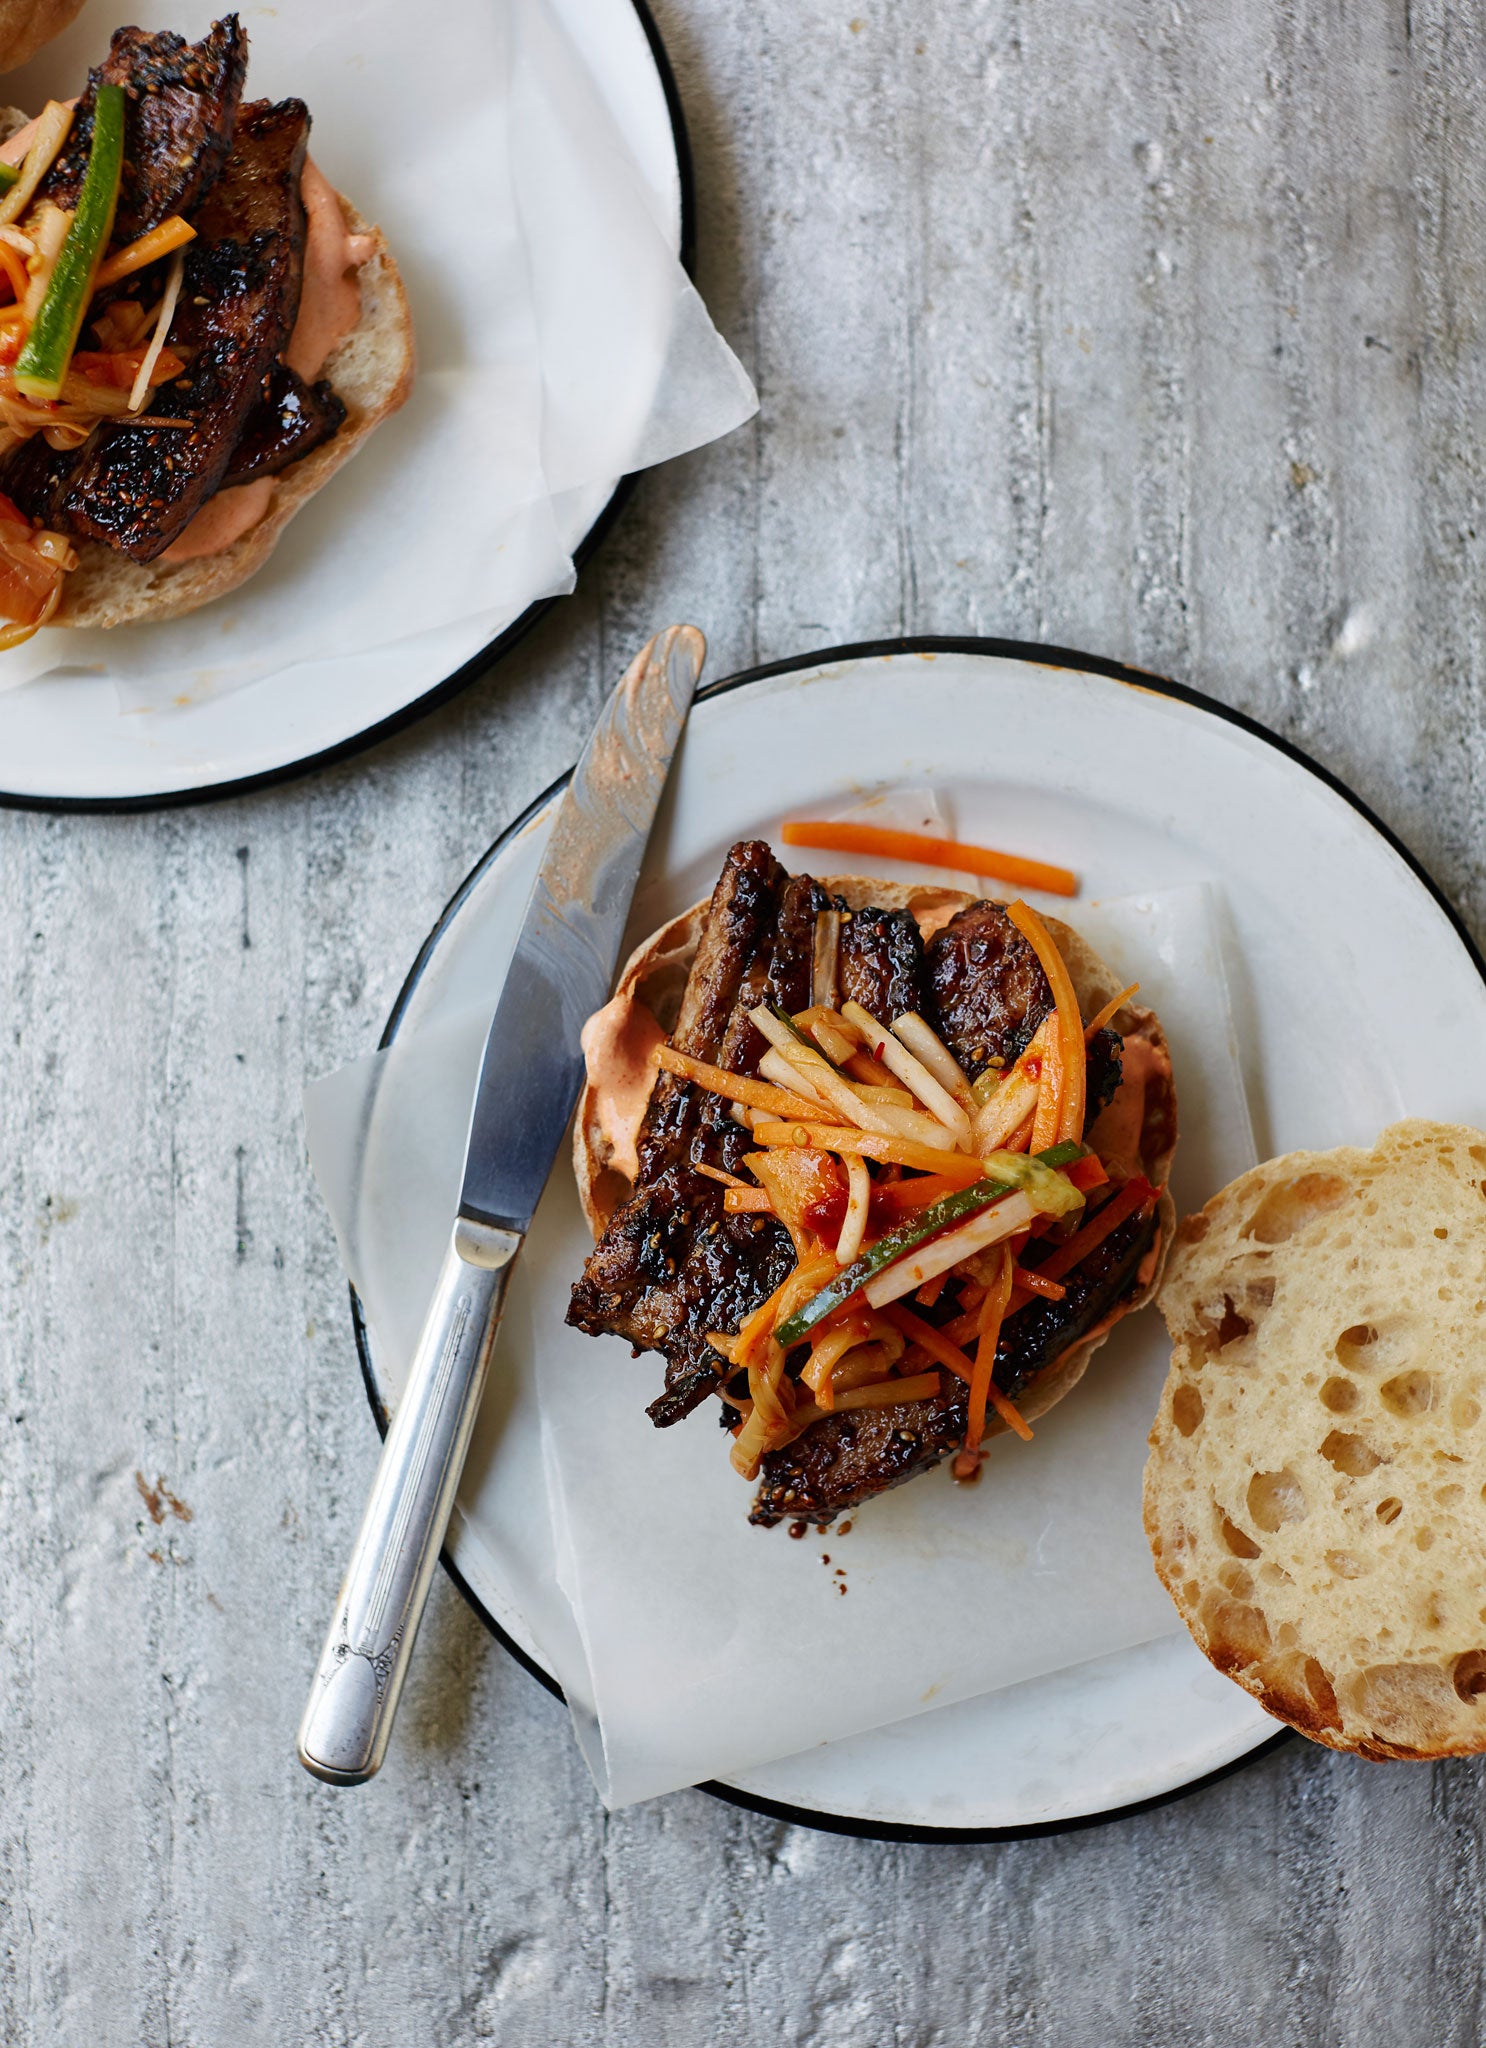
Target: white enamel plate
x: 1139, y: 786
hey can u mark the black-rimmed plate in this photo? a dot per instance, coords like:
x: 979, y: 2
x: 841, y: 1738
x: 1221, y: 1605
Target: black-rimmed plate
x: 64, y: 744
x: 1140, y: 785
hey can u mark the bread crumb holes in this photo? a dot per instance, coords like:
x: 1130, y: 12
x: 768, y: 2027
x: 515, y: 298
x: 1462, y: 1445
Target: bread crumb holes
x: 1352, y: 1342
x: 1318, y: 1685
x: 1275, y: 1498
x: 1240, y: 1544
x: 1469, y: 1676
x: 1222, y: 1327
x: 1292, y: 1205
x: 1409, y: 1393
x: 1352, y: 1455
x: 1187, y: 1409
x: 1389, y: 1510
x: 1345, y: 1565
x: 1340, y: 1396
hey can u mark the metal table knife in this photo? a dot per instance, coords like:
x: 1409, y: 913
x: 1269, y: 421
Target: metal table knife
x: 560, y: 973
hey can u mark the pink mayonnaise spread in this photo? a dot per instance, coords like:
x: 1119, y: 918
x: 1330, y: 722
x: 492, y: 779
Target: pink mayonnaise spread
x: 1116, y: 1136
x: 329, y: 307
x: 619, y: 1047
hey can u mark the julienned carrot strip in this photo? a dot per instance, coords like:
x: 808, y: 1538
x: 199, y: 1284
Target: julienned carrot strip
x: 1047, y: 1116
x: 1035, y: 1282
x: 159, y: 241
x: 747, y: 1202
x: 728, y: 1180
x: 931, y: 1290
x: 958, y: 1167
x: 1087, y: 1173
x: 739, y: 1088
x: 1072, y: 1089
x: 920, y: 847
x: 862, y: 1067
x: 935, y: 1342
x: 983, y: 1388
x: 1135, y: 1194
x: 1101, y: 1017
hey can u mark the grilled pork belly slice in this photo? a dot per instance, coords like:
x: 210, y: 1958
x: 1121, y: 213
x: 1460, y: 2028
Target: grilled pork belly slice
x: 181, y: 107
x: 137, y: 488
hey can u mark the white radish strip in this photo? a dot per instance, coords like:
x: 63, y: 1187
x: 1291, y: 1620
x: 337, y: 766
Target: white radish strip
x: 884, y: 1120
x: 1015, y: 1099
x: 912, y: 1072
x: 858, y: 1201
x: 140, y: 389
x: 834, y: 1345
x: 798, y: 1080
x: 836, y: 1046
x: 826, y: 957
x: 51, y: 133
x: 782, y: 1036
x: 888, y: 1393
x: 895, y: 1098
x: 860, y: 1367
x: 51, y: 233
x: 1008, y: 1109
x: 1003, y: 1219
x: 922, y: 1039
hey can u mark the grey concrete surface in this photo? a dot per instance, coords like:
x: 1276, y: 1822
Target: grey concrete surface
x: 1151, y: 329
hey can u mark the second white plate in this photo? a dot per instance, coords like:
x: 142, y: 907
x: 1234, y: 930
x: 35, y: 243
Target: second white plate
x: 64, y: 743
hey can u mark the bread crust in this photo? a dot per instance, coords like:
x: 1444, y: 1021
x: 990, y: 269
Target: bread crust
x: 1314, y: 1491
x: 25, y: 25
x: 372, y: 371
x: 655, y: 976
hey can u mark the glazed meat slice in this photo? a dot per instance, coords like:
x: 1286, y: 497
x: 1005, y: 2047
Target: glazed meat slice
x: 989, y: 994
x: 882, y: 962
x: 672, y: 1264
x: 847, y: 1458
x: 987, y: 987
x: 289, y: 420
x: 736, y: 931
x: 182, y: 101
x: 137, y: 487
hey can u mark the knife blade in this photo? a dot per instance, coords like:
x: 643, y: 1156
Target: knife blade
x: 568, y: 946
x: 564, y: 960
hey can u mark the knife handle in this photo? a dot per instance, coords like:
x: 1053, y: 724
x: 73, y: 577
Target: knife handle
x: 343, y: 1736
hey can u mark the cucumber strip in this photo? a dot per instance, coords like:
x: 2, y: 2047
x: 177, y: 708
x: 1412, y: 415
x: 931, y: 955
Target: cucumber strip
x: 42, y: 364
x: 10, y: 174
x: 908, y: 1237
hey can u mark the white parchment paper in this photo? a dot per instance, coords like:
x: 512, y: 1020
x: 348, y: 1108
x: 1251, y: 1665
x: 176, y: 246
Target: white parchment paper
x: 691, y: 1645
x: 560, y: 343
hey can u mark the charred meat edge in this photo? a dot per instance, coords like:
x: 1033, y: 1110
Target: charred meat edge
x: 291, y: 419
x: 672, y: 1264
x: 181, y: 104
x: 137, y: 488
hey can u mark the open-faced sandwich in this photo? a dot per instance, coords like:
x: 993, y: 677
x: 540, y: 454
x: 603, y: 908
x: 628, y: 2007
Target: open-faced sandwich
x: 880, y: 1166
x: 196, y: 330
